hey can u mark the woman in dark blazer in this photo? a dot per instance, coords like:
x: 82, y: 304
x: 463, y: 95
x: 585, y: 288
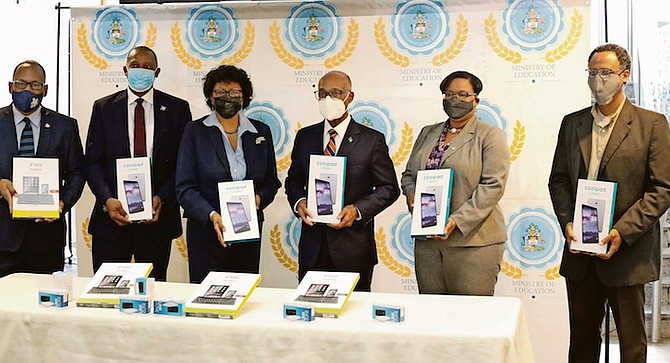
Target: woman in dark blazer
x: 466, y: 260
x: 223, y: 146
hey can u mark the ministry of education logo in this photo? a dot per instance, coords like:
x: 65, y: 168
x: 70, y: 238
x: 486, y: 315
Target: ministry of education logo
x: 532, y: 24
x: 492, y: 114
x: 535, y: 238
x: 378, y: 117
x: 115, y: 31
x: 273, y: 116
x: 313, y: 31
x: 399, y: 258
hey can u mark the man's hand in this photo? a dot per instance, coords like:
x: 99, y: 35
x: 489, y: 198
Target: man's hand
x: 7, y: 191
x: 219, y: 228
x: 570, y: 237
x: 304, y: 213
x: 258, y: 201
x: 157, y: 205
x: 448, y: 229
x: 116, y: 212
x: 410, y: 203
x: 49, y: 220
x: 614, y: 239
x: 347, y: 216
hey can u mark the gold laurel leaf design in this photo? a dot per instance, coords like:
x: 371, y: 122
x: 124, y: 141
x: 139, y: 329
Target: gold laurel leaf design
x: 456, y: 46
x: 510, y: 270
x: 576, y: 28
x: 405, y: 145
x: 496, y: 44
x: 189, y: 60
x: 88, y: 239
x: 387, y: 259
x: 348, y: 48
x: 86, y: 51
x: 152, y: 34
x: 280, y: 50
x: 386, y: 48
x: 552, y: 273
x: 245, y: 49
x: 182, y: 247
x: 519, y: 140
x: 278, y: 250
x: 284, y: 163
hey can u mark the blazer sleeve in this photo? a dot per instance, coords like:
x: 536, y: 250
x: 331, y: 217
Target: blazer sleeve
x: 186, y: 178
x: 408, y: 179
x: 384, y: 180
x: 267, y: 188
x: 644, y: 213
x: 72, y: 171
x: 491, y: 187
x: 561, y: 187
x: 94, y: 159
x: 295, y: 179
x: 167, y: 190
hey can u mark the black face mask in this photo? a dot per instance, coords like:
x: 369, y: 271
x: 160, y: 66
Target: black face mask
x: 227, y: 106
x: 456, y: 108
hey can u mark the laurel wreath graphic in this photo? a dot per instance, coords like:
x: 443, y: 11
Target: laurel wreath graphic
x: 510, y: 270
x: 576, y: 27
x: 88, y: 239
x: 455, y: 47
x: 518, y: 142
x: 278, y: 250
x: 552, y: 273
x: 284, y: 163
x: 245, y: 49
x: 183, y: 55
x: 387, y: 259
x: 280, y: 50
x: 405, y: 145
x: 89, y: 55
x: 496, y: 44
x: 182, y: 247
x: 152, y: 34
x: 386, y: 48
x: 348, y: 48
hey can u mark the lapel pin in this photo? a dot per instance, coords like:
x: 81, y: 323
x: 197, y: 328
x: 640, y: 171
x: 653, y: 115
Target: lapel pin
x: 351, y: 139
x: 163, y: 108
x: 47, y: 125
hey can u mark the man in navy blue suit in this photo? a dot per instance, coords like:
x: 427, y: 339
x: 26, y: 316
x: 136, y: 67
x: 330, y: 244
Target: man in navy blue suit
x: 134, y: 122
x: 371, y: 186
x: 28, y: 129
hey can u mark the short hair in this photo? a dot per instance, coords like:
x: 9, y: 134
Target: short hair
x: 228, y: 74
x: 340, y: 74
x: 143, y: 48
x: 621, y: 54
x: 31, y: 63
x: 476, y: 83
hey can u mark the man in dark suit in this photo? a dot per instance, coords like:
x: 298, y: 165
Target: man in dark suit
x: 371, y: 186
x: 27, y: 129
x: 618, y: 142
x: 139, y: 121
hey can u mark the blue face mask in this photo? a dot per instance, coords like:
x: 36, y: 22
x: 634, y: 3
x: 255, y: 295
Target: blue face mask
x: 141, y: 79
x: 26, y: 101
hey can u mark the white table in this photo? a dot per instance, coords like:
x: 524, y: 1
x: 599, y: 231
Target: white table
x: 437, y: 328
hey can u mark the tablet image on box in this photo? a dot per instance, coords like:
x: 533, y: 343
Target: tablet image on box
x: 316, y: 293
x: 589, y: 224
x: 593, y: 215
x: 432, y: 202
x: 428, y: 210
x: 332, y: 182
x: 599, y: 205
x: 133, y: 183
x: 244, y: 199
x: 133, y: 196
x: 325, y: 187
x: 139, y: 178
x: 324, y: 199
x: 238, y: 217
x: 237, y: 200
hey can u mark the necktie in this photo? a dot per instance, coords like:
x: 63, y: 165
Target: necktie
x: 330, y: 148
x: 140, y: 134
x: 27, y: 144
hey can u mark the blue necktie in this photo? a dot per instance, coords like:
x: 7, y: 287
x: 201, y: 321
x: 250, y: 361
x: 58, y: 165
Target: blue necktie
x: 27, y: 144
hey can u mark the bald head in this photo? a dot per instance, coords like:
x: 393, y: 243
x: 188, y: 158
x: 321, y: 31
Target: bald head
x: 341, y: 78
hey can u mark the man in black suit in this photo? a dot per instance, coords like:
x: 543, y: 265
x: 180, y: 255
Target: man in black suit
x: 27, y: 129
x: 139, y: 121
x: 371, y: 186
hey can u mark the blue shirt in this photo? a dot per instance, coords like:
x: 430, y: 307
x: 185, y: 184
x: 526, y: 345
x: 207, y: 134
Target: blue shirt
x: 238, y: 166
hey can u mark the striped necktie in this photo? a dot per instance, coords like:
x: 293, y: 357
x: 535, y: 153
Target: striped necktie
x: 27, y: 143
x: 330, y: 148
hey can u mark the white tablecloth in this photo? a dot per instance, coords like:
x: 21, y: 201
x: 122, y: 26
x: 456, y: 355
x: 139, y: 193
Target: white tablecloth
x: 437, y: 328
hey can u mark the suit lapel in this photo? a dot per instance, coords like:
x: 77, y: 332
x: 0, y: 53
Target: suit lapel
x: 619, y: 133
x: 8, y: 132
x: 584, y: 130
x: 160, y: 120
x: 429, y: 142
x: 350, y: 139
x: 45, y: 133
x: 120, y: 118
x: 467, y: 134
x: 216, y: 141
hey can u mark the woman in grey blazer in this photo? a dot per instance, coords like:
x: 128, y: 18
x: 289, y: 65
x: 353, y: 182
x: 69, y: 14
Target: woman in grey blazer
x: 466, y: 260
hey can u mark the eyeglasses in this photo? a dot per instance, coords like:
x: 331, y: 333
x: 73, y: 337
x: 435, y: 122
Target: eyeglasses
x: 234, y: 93
x: 460, y: 95
x: 603, y: 72
x: 333, y: 93
x: 21, y: 84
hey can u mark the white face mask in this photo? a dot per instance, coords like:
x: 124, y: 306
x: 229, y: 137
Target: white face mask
x: 332, y: 109
x: 603, y: 90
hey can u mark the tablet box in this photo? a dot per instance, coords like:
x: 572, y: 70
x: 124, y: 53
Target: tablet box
x: 299, y: 312
x: 134, y: 305
x: 169, y: 307
x: 56, y: 298
x: 393, y: 313
x: 144, y: 286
